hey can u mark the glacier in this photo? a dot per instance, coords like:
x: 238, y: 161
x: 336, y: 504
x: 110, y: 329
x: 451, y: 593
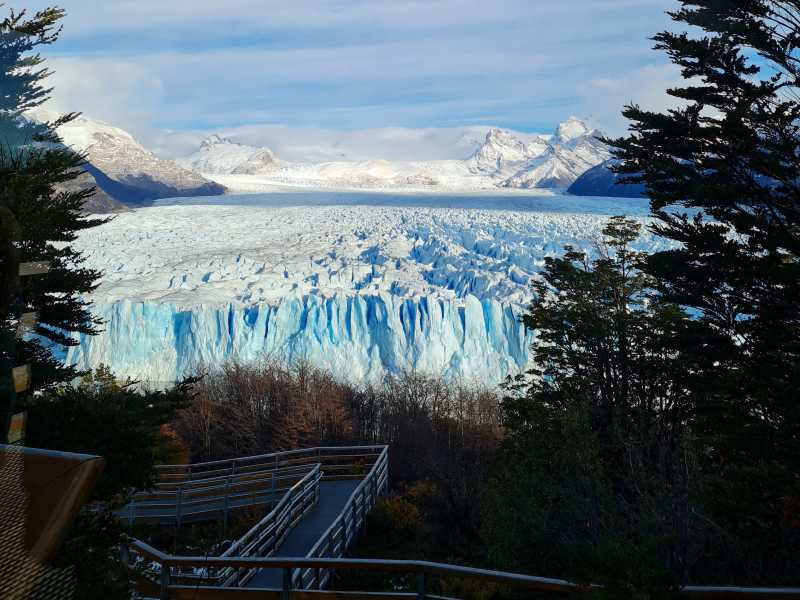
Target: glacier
x: 359, y: 338
x: 360, y: 284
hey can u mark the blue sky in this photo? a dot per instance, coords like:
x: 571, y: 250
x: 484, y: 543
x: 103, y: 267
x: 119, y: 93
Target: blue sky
x: 327, y: 72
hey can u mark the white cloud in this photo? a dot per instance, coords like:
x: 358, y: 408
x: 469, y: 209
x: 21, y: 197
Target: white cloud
x: 408, y: 74
x: 645, y: 86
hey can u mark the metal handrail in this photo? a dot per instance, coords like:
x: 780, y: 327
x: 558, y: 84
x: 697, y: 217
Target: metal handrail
x: 428, y: 569
x: 194, y: 467
x: 264, y: 538
x: 195, y: 497
x: 240, y: 475
x: 277, y: 524
x: 297, y: 501
x: 333, y: 543
x: 243, y: 479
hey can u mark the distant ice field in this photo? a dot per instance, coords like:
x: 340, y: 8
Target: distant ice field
x: 363, y: 284
x: 544, y: 201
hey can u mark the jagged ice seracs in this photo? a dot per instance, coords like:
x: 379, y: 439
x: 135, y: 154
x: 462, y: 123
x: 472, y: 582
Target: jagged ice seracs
x: 360, y: 284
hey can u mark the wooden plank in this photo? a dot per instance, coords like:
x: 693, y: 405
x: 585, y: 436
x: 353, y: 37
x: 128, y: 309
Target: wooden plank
x: 22, y: 378
x: 16, y: 430
x: 28, y: 269
x: 49, y: 509
x: 27, y: 323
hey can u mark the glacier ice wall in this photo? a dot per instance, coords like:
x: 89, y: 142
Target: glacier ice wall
x: 357, y: 337
x: 360, y: 284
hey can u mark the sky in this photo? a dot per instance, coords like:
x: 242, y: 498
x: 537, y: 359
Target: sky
x: 395, y: 79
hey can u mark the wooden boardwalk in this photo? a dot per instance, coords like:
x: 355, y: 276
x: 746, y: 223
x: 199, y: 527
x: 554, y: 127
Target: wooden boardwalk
x: 319, y: 500
x: 333, y: 496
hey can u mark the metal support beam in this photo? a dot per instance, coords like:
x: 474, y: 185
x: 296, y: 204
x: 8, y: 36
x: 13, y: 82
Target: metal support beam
x: 287, y: 583
x: 422, y: 585
x: 165, y: 576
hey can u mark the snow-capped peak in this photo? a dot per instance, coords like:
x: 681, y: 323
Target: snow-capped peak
x: 215, y: 140
x: 502, y: 148
x: 505, y: 145
x: 220, y: 155
x: 130, y: 173
x: 571, y: 129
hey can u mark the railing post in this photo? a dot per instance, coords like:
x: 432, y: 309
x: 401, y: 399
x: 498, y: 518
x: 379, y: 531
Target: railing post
x: 331, y: 554
x: 125, y: 554
x: 178, y: 507
x: 165, y: 577
x: 422, y: 584
x: 227, y: 493
x: 287, y: 583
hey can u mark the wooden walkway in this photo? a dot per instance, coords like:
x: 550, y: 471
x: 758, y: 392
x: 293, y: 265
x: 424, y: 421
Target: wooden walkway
x: 295, y: 549
x: 333, y: 496
x: 319, y: 500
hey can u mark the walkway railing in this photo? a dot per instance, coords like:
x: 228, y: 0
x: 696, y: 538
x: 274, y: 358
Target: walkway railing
x: 304, y: 577
x: 208, y: 497
x: 423, y: 570
x: 264, y: 538
x: 337, y: 463
x: 368, y: 463
x: 209, y: 489
x: 341, y: 533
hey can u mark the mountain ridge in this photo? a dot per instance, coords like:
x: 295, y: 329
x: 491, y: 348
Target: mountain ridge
x: 122, y: 169
x: 502, y: 160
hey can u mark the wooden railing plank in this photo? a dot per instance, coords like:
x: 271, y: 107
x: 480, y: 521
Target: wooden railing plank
x: 28, y: 269
x: 26, y: 324
x: 22, y: 378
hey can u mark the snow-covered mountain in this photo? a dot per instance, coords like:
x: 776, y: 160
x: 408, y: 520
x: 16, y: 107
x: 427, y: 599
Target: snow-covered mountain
x: 123, y: 168
x: 222, y: 156
x: 573, y: 150
x: 502, y: 153
x: 502, y: 159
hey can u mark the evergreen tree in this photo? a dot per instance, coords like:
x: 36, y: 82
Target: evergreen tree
x: 112, y: 419
x: 39, y: 220
x: 596, y: 475
x: 722, y: 174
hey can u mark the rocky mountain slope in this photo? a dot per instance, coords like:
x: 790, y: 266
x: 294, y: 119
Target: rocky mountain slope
x: 123, y: 169
x: 601, y: 181
x: 100, y: 202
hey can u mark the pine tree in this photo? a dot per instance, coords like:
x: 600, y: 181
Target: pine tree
x: 38, y: 219
x: 721, y: 171
x: 595, y: 477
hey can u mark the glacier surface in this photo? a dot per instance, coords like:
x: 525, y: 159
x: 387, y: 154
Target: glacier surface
x: 361, y: 284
